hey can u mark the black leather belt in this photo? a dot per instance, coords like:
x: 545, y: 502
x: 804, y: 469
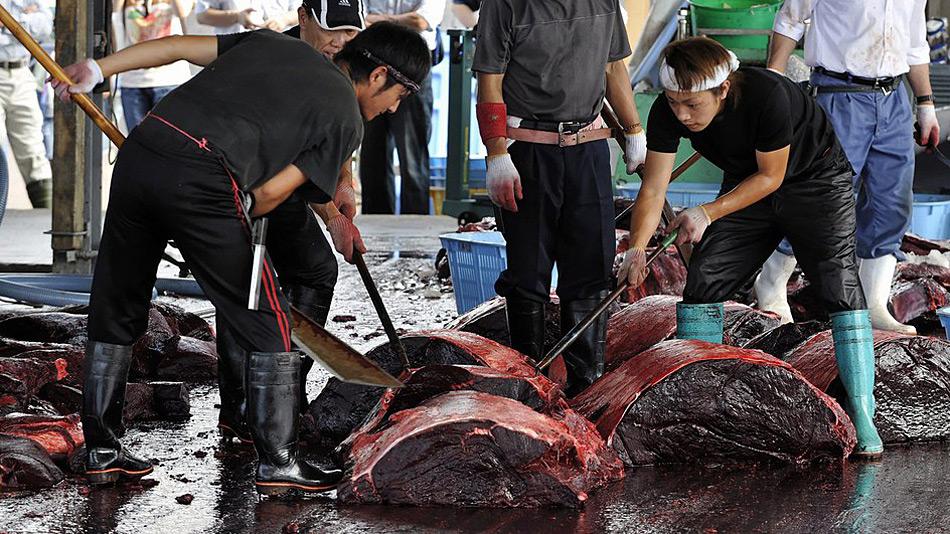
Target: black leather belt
x: 883, y: 84
x: 12, y: 64
x: 551, y: 126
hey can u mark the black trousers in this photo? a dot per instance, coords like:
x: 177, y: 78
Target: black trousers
x: 407, y: 130
x: 818, y: 218
x: 176, y: 190
x: 299, y: 247
x: 566, y: 216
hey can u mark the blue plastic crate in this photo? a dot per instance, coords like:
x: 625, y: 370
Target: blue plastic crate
x: 931, y: 216
x: 475, y: 260
x: 944, y: 315
x: 682, y: 195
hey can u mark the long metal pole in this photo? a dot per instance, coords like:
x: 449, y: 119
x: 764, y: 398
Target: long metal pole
x: 579, y: 328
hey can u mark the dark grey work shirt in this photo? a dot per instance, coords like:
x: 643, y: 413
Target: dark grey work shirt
x: 267, y: 101
x: 553, y: 54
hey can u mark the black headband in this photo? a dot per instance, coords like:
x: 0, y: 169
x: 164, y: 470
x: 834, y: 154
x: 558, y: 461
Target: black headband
x: 393, y: 71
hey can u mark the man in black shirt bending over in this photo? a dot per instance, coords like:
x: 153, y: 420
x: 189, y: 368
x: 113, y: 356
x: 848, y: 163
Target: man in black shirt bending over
x: 786, y: 175
x: 226, y: 146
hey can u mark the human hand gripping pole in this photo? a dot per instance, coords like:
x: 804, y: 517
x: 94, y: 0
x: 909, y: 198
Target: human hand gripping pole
x: 57, y: 73
x: 622, y: 285
x: 341, y: 360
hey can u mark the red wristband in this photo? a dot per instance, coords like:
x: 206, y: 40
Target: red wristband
x: 492, y: 120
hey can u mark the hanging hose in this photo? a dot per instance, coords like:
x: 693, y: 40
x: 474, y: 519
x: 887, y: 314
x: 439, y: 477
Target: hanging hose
x: 4, y: 184
x: 73, y: 289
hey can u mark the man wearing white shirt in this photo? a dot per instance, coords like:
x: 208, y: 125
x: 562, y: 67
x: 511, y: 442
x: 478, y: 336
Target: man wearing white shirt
x: 407, y: 129
x: 858, y: 51
x: 235, y: 16
x: 18, y: 104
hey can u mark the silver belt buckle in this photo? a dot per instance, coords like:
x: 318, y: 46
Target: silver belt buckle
x: 561, y: 139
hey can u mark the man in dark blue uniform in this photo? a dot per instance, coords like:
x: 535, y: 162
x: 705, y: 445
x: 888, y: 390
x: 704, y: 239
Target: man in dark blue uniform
x: 541, y: 85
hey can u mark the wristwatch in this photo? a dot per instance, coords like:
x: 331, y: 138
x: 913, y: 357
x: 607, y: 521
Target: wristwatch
x: 926, y: 98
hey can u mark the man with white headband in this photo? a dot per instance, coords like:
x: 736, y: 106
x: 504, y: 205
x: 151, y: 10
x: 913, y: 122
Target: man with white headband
x: 859, y: 52
x: 785, y: 174
x: 541, y: 85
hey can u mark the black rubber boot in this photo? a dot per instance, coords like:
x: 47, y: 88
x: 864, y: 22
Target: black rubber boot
x: 273, y: 381
x: 315, y: 304
x: 40, y: 193
x: 107, y: 371
x: 585, y: 357
x: 526, y: 326
x: 232, y: 420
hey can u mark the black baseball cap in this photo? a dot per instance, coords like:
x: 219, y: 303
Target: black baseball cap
x: 337, y: 14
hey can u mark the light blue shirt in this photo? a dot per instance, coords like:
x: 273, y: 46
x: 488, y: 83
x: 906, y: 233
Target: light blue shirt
x: 35, y: 16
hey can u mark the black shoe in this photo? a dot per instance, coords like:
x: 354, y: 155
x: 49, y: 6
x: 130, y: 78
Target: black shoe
x: 40, y: 193
x: 273, y: 380
x: 107, y: 371
x: 585, y: 357
x: 526, y: 326
x: 107, y: 466
x: 232, y: 420
x: 315, y: 304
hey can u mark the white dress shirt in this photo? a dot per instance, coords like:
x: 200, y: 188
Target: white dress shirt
x: 867, y: 38
x: 35, y: 16
x: 266, y: 9
x: 431, y: 10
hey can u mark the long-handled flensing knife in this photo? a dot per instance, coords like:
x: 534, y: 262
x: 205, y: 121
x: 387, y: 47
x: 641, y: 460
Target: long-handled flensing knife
x: 325, y: 348
x: 258, y: 238
x: 380, y: 308
x: 579, y: 328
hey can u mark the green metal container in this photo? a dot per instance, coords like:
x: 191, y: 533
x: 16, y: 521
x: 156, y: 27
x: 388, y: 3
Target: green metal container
x: 702, y: 171
x: 740, y: 25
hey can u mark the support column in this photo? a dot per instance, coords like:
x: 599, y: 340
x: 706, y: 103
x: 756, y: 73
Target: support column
x: 72, y: 151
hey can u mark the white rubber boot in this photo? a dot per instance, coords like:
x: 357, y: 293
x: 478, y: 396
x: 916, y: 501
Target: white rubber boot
x: 876, y: 275
x: 771, y: 289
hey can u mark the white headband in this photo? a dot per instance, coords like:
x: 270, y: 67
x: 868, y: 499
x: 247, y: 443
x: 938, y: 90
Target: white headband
x: 668, y: 77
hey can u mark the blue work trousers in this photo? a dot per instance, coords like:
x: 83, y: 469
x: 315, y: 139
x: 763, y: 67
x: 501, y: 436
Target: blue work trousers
x: 876, y: 132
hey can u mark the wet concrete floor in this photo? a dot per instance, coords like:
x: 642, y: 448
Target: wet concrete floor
x: 906, y: 492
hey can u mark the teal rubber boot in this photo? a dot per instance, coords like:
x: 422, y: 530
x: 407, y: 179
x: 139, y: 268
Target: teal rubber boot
x: 854, y: 351
x: 699, y: 321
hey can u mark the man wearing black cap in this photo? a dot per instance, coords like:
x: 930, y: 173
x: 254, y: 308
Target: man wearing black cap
x: 305, y: 265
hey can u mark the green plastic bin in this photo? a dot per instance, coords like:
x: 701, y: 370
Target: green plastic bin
x: 732, y: 16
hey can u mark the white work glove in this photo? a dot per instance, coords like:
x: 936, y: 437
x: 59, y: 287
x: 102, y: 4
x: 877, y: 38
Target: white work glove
x: 929, y: 128
x: 504, y: 182
x: 635, y: 153
x: 345, y: 199
x: 633, y: 269
x: 346, y: 236
x: 85, y: 75
x: 691, y: 224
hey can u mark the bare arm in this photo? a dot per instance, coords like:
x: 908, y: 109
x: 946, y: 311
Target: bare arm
x: 221, y: 17
x: 490, y: 90
x: 772, y: 168
x: 465, y: 15
x: 649, y: 204
x: 620, y: 97
x: 780, y: 49
x: 276, y: 190
x: 411, y: 20
x: 197, y: 49
x: 919, y: 78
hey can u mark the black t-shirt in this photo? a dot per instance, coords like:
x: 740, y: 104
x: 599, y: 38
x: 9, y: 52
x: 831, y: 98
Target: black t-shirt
x: 267, y: 101
x: 772, y: 112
